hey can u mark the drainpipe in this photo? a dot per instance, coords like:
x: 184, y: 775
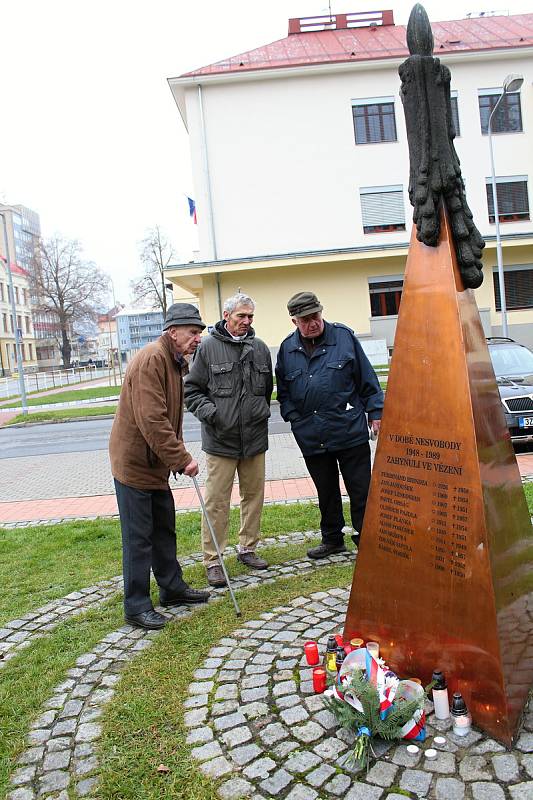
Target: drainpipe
x: 209, y: 194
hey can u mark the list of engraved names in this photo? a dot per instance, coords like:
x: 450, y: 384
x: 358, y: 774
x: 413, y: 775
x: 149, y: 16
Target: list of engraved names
x: 422, y: 491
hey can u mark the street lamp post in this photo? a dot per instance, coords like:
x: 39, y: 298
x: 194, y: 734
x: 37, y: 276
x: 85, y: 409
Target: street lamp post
x: 18, y: 348
x: 512, y: 83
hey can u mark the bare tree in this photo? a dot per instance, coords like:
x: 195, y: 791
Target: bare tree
x: 156, y: 254
x: 67, y: 287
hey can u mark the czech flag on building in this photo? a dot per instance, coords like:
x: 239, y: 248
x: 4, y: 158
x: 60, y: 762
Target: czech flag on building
x: 192, y: 210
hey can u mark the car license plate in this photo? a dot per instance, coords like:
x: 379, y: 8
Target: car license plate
x: 525, y: 422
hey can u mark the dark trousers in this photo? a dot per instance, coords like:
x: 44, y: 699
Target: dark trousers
x: 354, y: 464
x: 148, y: 525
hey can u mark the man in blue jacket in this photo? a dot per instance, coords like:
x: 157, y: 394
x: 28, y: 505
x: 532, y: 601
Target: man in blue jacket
x: 327, y: 389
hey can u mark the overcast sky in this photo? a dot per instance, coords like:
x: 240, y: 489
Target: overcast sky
x: 90, y: 136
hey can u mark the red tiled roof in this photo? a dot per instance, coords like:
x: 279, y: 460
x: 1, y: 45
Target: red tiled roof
x: 16, y: 270
x: 381, y: 42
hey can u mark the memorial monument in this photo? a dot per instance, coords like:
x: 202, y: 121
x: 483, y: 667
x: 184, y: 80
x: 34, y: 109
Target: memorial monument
x: 444, y: 576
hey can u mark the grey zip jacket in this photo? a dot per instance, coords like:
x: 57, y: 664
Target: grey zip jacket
x: 228, y: 389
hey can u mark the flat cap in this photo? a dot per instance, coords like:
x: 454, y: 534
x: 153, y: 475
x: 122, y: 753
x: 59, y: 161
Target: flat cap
x: 302, y: 304
x: 183, y: 314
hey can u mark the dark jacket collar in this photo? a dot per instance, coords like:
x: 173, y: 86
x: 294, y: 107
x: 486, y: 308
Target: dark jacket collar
x: 329, y: 337
x: 221, y: 332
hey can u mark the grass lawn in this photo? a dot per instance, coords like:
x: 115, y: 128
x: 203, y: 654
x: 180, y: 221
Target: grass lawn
x: 143, y: 725
x: 70, y: 395
x: 42, y: 563
x: 62, y: 413
x: 28, y: 680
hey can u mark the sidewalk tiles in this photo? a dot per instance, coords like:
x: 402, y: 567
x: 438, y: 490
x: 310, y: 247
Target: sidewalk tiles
x: 106, y: 505
x: 186, y: 499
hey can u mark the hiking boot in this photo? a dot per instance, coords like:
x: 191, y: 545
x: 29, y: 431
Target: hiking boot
x: 215, y: 576
x: 324, y: 550
x: 252, y: 561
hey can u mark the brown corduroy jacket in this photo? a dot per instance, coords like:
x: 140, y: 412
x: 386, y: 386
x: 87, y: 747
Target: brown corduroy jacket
x: 146, y: 441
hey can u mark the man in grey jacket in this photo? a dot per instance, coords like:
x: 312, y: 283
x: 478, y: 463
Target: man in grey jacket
x: 228, y: 389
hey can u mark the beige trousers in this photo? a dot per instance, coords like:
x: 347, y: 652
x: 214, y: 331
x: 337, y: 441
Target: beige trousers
x: 218, y: 486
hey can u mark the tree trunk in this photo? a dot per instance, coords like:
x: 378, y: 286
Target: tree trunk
x: 66, y: 348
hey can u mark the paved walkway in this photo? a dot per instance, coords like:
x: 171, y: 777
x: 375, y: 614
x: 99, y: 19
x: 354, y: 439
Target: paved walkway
x: 287, y: 481
x: 255, y: 722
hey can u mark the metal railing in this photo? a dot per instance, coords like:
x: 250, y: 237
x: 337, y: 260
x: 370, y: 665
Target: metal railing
x: 43, y: 381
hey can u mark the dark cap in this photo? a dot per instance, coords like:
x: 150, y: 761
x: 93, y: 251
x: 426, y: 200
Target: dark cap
x: 182, y: 314
x: 302, y: 304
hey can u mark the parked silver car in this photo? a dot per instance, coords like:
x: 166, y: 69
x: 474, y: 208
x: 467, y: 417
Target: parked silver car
x: 513, y: 367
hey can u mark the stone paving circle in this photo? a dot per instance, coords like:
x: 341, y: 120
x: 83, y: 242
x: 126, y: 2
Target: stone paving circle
x: 254, y: 722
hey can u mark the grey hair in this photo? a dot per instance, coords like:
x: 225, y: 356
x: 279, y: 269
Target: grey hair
x: 238, y: 299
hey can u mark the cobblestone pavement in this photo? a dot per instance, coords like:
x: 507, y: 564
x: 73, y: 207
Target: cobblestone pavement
x: 19, y: 633
x: 88, y: 473
x: 60, y: 751
x: 253, y: 720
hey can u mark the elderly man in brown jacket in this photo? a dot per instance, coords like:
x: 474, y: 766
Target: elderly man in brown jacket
x: 145, y: 446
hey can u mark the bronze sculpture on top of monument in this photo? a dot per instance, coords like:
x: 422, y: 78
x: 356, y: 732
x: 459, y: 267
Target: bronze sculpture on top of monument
x: 443, y: 578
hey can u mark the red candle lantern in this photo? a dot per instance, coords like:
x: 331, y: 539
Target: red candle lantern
x: 319, y: 680
x: 339, y: 640
x: 311, y: 653
x: 348, y: 649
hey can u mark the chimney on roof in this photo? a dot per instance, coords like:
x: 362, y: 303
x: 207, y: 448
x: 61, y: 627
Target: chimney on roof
x: 332, y: 22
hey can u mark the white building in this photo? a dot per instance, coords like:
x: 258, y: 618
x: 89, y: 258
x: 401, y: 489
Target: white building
x: 300, y: 167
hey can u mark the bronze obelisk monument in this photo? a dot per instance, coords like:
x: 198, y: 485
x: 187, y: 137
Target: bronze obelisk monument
x: 444, y: 575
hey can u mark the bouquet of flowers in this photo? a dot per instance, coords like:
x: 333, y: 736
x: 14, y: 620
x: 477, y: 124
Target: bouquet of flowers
x: 370, y: 699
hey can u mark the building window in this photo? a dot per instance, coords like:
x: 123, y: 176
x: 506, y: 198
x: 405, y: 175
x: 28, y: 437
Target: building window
x: 30, y: 349
x: 385, y: 297
x: 382, y: 209
x: 17, y: 298
x: 4, y: 318
x: 508, y: 117
x: 455, y: 114
x: 518, y: 288
x: 2, y: 292
x: 513, y: 201
x: 27, y: 321
x: 374, y: 120
x: 25, y: 296
x: 19, y: 322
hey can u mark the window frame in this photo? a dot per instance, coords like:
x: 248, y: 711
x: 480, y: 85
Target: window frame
x: 506, y: 180
x: 508, y: 274
x: 454, y: 98
x: 365, y: 103
x: 385, y: 227
x: 504, y: 109
x: 374, y: 282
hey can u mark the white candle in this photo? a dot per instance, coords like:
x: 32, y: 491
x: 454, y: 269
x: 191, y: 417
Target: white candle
x: 373, y: 648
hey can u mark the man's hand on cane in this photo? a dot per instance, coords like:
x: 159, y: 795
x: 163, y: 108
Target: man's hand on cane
x: 191, y: 470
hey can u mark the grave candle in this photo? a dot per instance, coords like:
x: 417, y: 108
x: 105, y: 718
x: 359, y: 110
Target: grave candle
x: 373, y: 648
x: 311, y: 653
x: 319, y: 680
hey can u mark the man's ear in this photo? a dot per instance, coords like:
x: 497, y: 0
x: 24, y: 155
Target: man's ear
x: 225, y: 314
x: 294, y: 321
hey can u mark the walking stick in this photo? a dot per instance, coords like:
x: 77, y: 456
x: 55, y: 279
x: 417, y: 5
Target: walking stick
x: 215, y: 543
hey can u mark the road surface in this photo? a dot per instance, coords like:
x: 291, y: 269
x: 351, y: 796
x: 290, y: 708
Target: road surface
x: 89, y: 435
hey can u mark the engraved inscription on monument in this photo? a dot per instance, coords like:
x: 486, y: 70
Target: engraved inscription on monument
x: 423, y: 487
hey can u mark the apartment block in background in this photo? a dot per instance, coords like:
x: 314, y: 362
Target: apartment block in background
x: 137, y: 327
x: 24, y: 233
x: 21, y: 288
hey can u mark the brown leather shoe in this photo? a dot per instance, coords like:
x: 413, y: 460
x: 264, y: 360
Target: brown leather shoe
x: 215, y: 576
x: 252, y: 561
